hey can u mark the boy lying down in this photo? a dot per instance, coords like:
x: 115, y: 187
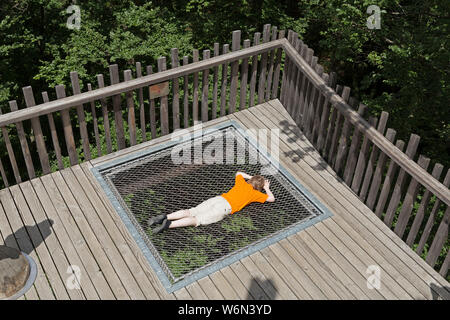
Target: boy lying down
x: 216, y: 208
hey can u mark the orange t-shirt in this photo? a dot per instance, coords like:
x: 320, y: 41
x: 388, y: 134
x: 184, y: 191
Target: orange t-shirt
x: 242, y: 194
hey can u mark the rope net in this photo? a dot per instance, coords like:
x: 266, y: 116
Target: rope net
x: 156, y: 184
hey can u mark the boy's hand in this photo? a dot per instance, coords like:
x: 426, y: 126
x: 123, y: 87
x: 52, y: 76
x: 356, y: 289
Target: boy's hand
x: 266, y: 183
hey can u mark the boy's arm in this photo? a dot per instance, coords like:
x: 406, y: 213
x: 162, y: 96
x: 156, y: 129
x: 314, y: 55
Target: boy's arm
x: 244, y: 175
x: 271, y: 197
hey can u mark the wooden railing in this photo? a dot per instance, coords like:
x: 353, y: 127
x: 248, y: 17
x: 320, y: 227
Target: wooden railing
x: 361, y: 152
x: 401, y: 192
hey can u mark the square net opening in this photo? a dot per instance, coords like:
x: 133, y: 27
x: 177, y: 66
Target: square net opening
x: 157, y: 183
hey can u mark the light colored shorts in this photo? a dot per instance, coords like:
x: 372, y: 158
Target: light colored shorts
x: 211, y: 210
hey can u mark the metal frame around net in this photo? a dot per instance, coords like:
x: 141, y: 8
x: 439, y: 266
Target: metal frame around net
x: 106, y: 174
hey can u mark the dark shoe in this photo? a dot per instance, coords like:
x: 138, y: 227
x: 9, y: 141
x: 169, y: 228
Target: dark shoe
x: 156, y: 220
x: 164, y: 226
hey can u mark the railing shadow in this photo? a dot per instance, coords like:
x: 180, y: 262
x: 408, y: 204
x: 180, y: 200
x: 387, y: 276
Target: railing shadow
x: 257, y: 289
x: 38, y: 232
x: 435, y: 288
x: 294, y: 135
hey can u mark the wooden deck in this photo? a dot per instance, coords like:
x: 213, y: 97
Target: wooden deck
x: 65, y: 218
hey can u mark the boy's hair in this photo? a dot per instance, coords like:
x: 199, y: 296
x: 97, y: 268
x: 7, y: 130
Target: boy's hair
x: 257, y: 182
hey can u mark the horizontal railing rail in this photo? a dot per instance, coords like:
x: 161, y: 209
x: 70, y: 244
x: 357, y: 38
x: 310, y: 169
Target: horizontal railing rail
x: 114, y: 89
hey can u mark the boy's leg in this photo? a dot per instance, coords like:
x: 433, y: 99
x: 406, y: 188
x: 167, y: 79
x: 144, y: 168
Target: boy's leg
x: 178, y: 215
x: 184, y: 222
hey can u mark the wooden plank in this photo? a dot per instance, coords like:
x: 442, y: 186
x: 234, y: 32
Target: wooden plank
x: 263, y: 66
x: 223, y: 84
x: 379, y: 172
x: 95, y: 123
x: 362, y: 160
x: 100, y: 201
x: 117, y: 108
x: 36, y: 125
x: 11, y: 241
x: 209, y: 289
x: 271, y: 66
x: 392, y: 170
x: 445, y: 265
x: 353, y: 151
x: 309, y: 99
x: 31, y: 228
x: 343, y: 142
x: 225, y: 288
x: 215, y: 82
x: 262, y: 278
x: 325, y: 117
x: 408, y: 200
x: 269, y: 269
x: 421, y: 275
x: 391, y: 278
x: 319, y: 278
x: 47, y: 228
x: 307, y: 54
x: 237, y: 282
x: 318, y: 113
x: 182, y: 294
x: 2, y: 170
x: 185, y: 95
x: 276, y: 75
x: 286, y: 71
x: 195, y: 57
x: 256, y: 39
x: 78, y: 220
x: 295, y: 277
x: 24, y: 243
x: 399, y: 184
x: 54, y: 134
x: 205, y: 88
x: 294, y: 75
x: 235, y: 46
x: 149, y: 70
x: 79, y: 240
x: 106, y: 126
x: 72, y: 250
x: 196, y: 291
x: 81, y: 117
x: 314, y: 106
x: 143, y: 123
x: 127, y: 274
x: 418, y: 218
x: 372, y: 159
x: 164, y: 109
x: 10, y: 151
x: 244, y: 79
x: 175, y: 89
x: 23, y: 143
x: 440, y: 237
x: 67, y: 126
x: 294, y: 82
x: 335, y: 126
x: 431, y: 219
x: 131, y: 112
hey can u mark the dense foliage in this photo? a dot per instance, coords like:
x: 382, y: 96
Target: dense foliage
x: 402, y: 68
